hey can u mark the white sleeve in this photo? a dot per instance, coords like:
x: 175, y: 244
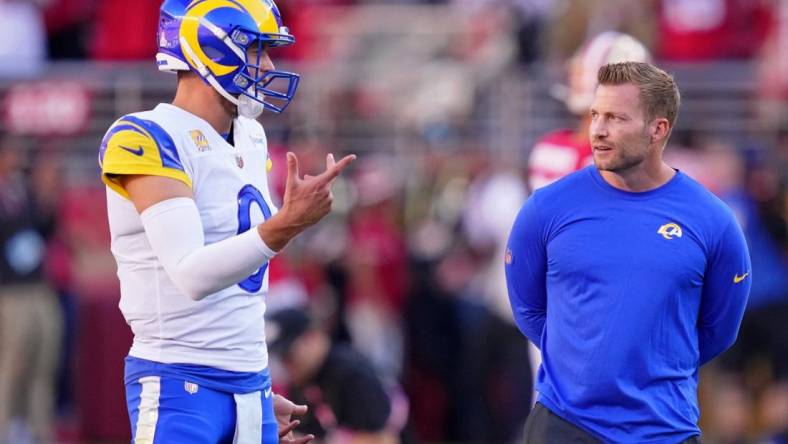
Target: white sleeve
x: 175, y: 233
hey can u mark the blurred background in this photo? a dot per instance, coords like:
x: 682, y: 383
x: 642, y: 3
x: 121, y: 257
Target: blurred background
x: 444, y: 102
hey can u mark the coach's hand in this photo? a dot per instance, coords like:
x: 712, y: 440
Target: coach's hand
x: 306, y: 201
x: 284, y: 409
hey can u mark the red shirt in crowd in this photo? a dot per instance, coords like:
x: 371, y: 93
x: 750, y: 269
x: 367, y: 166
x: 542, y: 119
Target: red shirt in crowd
x: 712, y: 29
x: 555, y: 155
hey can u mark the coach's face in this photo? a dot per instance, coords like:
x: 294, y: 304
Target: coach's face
x: 618, y: 130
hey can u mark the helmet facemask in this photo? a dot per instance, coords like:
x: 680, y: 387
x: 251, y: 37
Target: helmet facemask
x: 256, y: 86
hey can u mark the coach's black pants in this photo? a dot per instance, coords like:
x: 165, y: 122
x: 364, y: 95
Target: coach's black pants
x: 545, y: 427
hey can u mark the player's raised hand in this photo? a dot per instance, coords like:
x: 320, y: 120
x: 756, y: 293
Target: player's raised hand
x: 330, y: 162
x: 309, y: 199
x: 306, y: 201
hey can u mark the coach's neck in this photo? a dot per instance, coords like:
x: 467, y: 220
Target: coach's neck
x: 652, y: 173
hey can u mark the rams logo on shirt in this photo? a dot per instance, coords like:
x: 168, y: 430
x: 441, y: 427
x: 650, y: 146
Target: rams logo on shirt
x: 670, y: 230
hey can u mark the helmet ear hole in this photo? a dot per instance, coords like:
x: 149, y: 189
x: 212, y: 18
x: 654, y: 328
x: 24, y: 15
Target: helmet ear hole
x: 241, y: 38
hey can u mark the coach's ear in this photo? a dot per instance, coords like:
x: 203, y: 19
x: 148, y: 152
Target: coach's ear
x: 659, y: 130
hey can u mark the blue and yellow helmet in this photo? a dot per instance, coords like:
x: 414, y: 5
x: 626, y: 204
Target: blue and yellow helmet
x: 212, y: 37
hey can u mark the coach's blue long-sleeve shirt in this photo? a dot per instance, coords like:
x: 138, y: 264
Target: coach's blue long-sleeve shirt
x: 626, y: 294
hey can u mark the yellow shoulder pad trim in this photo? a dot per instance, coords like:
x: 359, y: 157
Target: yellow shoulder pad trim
x: 138, y: 146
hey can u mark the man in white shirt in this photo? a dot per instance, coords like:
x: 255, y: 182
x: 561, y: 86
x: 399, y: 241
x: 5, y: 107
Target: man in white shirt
x: 193, y: 227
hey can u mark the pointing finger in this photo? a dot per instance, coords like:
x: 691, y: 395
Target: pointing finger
x: 334, y: 171
x: 330, y: 162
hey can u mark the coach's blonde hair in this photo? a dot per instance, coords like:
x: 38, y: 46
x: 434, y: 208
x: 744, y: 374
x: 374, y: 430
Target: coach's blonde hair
x: 659, y: 94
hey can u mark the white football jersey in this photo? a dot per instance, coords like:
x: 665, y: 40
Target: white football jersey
x: 226, y: 329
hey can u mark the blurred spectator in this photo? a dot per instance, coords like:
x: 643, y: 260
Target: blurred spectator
x: 436, y: 377
x: 501, y: 373
x: 529, y: 19
x: 123, y: 33
x: 69, y: 24
x: 574, y: 23
x: 47, y: 181
x: 22, y: 38
x: 348, y: 402
x: 30, y: 315
x: 376, y: 267
x: 438, y: 97
x: 307, y: 20
x: 439, y: 319
x: 694, y: 154
x: 712, y: 29
x: 773, y: 71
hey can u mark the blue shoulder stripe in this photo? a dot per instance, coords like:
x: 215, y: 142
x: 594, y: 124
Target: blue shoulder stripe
x: 116, y: 129
x: 167, y: 151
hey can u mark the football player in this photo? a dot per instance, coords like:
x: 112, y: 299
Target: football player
x: 193, y: 227
x: 567, y: 150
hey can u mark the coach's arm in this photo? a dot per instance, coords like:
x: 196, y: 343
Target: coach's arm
x: 526, y: 268
x: 726, y: 288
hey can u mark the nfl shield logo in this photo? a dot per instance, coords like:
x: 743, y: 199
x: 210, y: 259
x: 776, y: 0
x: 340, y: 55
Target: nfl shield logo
x: 190, y: 387
x: 239, y: 161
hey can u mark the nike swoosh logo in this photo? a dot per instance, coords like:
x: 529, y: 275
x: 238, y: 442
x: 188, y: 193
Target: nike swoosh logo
x: 137, y: 152
x: 268, y: 393
x: 737, y: 278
